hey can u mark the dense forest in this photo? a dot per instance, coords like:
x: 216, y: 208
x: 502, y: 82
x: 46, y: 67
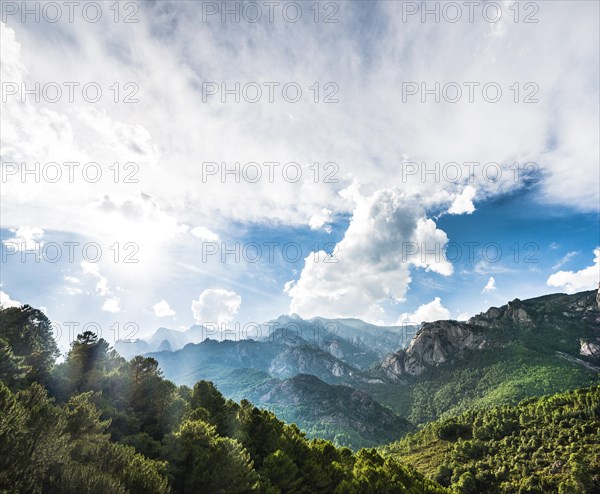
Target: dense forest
x: 541, y: 445
x: 96, y: 423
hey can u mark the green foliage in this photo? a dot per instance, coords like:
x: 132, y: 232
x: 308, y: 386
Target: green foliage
x: 28, y: 332
x: 119, y: 427
x: 549, y: 444
x: 202, y: 461
x: 12, y: 367
x: 106, y: 425
x: 45, y: 448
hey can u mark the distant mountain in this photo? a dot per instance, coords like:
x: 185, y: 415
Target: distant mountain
x: 161, y: 339
x: 525, y: 348
x: 350, y: 340
x: 273, y: 376
x: 266, y: 372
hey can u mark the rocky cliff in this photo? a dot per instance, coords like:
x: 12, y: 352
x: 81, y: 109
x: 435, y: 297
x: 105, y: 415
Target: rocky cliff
x: 567, y: 319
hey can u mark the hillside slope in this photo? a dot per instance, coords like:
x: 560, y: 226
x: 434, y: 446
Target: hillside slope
x: 525, y: 348
x: 541, y: 445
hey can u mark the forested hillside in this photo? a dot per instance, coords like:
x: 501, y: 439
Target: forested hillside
x: 541, y: 445
x: 97, y: 423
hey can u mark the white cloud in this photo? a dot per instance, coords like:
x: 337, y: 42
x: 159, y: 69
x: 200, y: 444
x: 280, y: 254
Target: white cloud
x: 387, y: 235
x: 490, y: 286
x: 163, y: 309
x: 365, y: 148
x: 26, y: 238
x: 93, y: 269
x: 367, y: 134
x: 577, y: 281
x: 463, y: 202
x: 319, y: 220
x: 6, y: 301
x: 204, y: 234
x: 216, y: 306
x: 111, y: 305
x: 433, y: 311
x: 463, y: 316
x: 73, y: 286
x: 566, y: 258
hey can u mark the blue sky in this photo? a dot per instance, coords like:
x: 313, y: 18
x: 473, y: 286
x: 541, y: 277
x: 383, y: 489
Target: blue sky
x: 332, y: 184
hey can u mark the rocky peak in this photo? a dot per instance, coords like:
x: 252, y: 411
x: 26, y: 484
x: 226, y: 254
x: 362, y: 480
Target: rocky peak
x: 442, y: 341
x: 435, y: 343
x: 514, y: 311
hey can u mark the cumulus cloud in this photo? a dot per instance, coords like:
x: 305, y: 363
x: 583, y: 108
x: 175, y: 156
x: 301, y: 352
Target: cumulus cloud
x: 577, y: 281
x: 216, y: 306
x: 6, y: 301
x: 433, y: 311
x: 320, y: 220
x: 463, y: 202
x: 387, y: 235
x: 490, y: 285
x: 163, y: 309
x: 25, y: 238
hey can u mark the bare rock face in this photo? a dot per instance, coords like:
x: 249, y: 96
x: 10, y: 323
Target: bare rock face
x: 443, y: 341
x: 514, y: 312
x: 598, y: 296
x: 517, y: 313
x: 589, y: 348
x: 392, y: 366
x: 435, y: 343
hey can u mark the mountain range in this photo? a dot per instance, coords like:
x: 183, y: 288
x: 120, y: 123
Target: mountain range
x: 360, y: 385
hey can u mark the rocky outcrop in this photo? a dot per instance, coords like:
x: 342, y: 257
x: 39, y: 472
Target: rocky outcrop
x: 559, y: 316
x: 435, y: 343
x: 309, y: 360
x: 514, y: 312
x: 590, y: 348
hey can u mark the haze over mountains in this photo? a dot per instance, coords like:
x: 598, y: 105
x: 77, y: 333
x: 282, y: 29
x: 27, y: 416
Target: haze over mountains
x: 365, y: 341
x: 361, y: 385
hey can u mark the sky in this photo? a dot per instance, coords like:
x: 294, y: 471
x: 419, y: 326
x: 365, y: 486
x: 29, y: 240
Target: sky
x: 178, y: 163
